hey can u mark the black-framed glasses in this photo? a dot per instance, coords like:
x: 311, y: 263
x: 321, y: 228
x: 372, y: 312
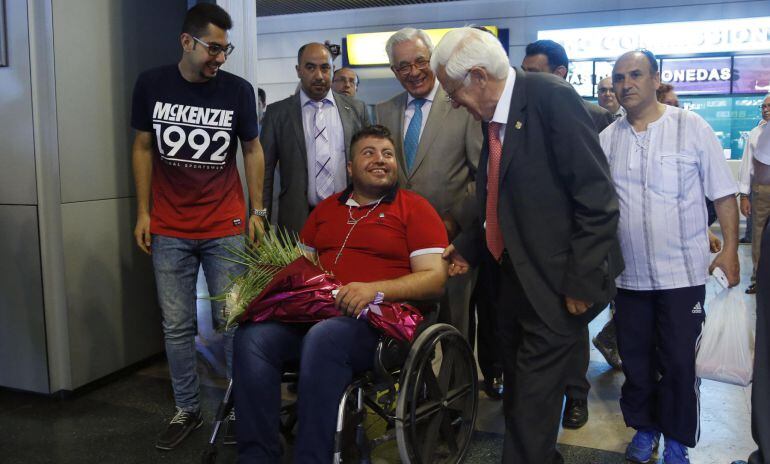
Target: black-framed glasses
x: 403, y: 70
x: 216, y: 49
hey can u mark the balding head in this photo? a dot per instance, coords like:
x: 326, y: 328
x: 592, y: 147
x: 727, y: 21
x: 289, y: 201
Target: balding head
x: 314, y: 69
x: 635, y: 78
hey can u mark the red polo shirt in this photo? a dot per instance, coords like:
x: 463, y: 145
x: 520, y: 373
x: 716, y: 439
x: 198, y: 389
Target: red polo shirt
x: 379, y: 247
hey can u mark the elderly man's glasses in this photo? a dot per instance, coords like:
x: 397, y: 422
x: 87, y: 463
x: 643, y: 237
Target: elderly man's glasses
x: 216, y: 49
x: 403, y: 70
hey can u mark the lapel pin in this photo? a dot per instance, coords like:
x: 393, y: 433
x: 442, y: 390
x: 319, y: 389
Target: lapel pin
x: 382, y: 215
x: 517, y: 125
x: 347, y: 108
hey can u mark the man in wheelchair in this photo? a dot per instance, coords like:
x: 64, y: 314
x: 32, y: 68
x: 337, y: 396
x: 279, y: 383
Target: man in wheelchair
x: 376, y: 239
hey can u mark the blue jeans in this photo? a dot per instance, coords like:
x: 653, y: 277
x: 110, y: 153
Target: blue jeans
x: 176, y: 262
x: 330, y: 352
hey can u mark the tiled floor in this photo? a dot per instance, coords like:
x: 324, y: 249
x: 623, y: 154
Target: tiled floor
x: 117, y: 422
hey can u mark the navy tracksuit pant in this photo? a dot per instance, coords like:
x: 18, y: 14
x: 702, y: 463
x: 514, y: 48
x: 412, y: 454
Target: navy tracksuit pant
x: 658, y: 335
x: 330, y: 352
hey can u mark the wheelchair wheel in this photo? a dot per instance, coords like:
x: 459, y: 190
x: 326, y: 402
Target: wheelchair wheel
x: 438, y: 398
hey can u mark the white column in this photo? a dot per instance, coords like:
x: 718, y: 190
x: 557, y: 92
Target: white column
x: 243, y: 61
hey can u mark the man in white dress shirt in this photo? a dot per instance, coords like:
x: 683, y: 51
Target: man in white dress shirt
x: 755, y: 176
x: 664, y: 160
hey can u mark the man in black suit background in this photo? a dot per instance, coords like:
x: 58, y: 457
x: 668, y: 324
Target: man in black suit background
x: 550, y: 219
x: 550, y: 57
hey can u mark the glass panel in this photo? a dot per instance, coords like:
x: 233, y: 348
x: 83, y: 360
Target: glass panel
x: 751, y: 74
x: 731, y: 118
x: 580, y: 76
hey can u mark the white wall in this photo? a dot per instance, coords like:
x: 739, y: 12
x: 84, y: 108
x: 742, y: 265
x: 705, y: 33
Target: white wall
x: 279, y: 37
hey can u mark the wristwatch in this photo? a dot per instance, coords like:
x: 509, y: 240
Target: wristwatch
x: 259, y: 212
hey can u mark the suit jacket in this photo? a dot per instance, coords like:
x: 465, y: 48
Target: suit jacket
x: 283, y: 141
x: 601, y: 117
x: 444, y: 168
x: 557, y: 205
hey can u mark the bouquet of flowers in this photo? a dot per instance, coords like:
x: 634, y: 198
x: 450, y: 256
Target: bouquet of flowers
x: 280, y: 283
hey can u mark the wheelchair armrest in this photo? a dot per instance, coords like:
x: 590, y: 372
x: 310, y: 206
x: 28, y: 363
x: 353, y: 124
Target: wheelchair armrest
x: 391, y: 354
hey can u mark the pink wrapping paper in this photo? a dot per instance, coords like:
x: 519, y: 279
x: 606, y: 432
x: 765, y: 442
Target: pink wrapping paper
x: 302, y: 293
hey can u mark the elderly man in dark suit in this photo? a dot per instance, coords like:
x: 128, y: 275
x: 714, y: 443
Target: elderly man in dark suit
x: 550, y: 219
x: 549, y: 56
x: 307, y: 136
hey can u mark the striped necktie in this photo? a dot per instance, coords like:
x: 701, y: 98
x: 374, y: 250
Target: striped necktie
x: 412, y: 137
x: 324, y: 178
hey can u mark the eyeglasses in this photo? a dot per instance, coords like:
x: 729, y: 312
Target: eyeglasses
x: 216, y: 49
x: 404, y: 69
x: 450, y: 95
x: 351, y: 80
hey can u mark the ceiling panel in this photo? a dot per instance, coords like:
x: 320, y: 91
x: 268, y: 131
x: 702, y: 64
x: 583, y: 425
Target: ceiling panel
x: 282, y: 7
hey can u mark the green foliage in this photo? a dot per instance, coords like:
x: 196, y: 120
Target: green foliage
x: 276, y: 249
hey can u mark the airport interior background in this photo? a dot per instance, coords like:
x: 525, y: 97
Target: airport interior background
x: 82, y: 374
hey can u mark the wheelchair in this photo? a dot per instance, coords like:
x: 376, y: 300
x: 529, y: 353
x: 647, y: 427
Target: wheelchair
x: 426, y: 394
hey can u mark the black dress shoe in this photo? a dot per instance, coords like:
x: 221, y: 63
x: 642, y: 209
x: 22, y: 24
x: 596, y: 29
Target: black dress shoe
x: 494, y: 388
x: 575, y: 414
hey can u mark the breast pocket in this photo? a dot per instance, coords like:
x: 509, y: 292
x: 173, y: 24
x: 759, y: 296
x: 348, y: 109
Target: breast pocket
x: 672, y: 174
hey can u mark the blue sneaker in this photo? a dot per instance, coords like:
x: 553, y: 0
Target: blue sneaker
x: 642, y: 446
x: 675, y: 453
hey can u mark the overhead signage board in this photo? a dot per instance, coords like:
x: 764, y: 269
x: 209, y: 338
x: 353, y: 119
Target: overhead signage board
x: 369, y: 49
x: 697, y: 75
x: 680, y: 38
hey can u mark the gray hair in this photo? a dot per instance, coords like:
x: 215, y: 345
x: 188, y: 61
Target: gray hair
x: 405, y: 35
x: 463, y: 48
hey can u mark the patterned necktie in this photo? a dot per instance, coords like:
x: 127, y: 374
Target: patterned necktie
x: 324, y: 178
x: 493, y: 233
x: 412, y: 138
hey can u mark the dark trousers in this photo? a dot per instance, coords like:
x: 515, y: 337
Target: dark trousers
x: 658, y: 333
x: 330, y: 352
x: 535, y: 362
x: 760, y: 399
x: 577, y: 383
x: 483, y: 319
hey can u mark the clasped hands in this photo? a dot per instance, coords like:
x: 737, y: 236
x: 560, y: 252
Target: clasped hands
x: 459, y: 265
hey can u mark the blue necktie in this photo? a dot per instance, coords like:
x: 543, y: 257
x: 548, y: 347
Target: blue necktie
x: 412, y: 138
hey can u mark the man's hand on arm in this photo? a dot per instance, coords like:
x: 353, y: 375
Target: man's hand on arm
x: 727, y: 260
x: 457, y: 265
x: 452, y: 227
x: 425, y: 282
x: 254, y: 166
x: 745, y: 206
x: 141, y: 157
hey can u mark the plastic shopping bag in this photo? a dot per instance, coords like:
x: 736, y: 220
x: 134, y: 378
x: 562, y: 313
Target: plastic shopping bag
x: 726, y: 348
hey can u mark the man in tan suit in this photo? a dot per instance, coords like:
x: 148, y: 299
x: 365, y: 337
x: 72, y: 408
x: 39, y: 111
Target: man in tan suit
x: 437, y: 150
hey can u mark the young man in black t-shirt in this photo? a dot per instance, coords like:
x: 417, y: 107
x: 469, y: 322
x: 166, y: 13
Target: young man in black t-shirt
x: 188, y: 118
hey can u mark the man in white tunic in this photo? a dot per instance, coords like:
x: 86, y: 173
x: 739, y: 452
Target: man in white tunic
x: 664, y: 160
x: 755, y: 176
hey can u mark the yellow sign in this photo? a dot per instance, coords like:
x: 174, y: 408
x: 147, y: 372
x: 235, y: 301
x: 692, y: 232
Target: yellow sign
x: 369, y: 49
